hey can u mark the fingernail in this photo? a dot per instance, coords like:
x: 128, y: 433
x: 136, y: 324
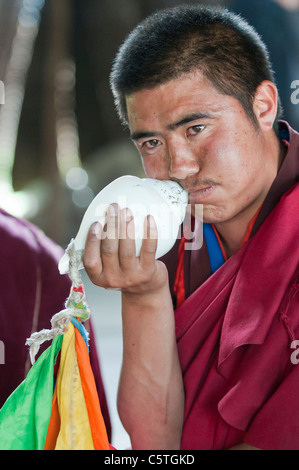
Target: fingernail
x: 113, y: 210
x: 151, y: 221
x: 128, y: 215
x: 96, y: 228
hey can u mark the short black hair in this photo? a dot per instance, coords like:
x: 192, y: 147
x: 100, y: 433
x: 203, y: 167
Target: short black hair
x: 175, y: 41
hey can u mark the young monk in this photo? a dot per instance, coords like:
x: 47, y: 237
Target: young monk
x: 208, y: 333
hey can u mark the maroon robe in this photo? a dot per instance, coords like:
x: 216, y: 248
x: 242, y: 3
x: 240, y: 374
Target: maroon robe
x: 32, y: 291
x: 236, y: 329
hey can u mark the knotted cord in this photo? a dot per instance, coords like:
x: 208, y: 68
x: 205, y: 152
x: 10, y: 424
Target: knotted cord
x: 75, y: 306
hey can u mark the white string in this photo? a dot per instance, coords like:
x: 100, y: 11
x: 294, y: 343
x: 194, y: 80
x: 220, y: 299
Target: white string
x: 75, y: 306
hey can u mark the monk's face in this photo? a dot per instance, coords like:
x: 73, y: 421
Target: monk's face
x: 186, y: 131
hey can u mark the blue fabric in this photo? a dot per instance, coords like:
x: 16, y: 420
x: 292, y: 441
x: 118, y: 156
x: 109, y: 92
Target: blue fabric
x: 284, y: 134
x: 214, y: 250
x: 82, y: 330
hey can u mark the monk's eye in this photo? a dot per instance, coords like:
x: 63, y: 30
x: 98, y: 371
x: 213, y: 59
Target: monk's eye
x: 150, y: 144
x: 194, y: 130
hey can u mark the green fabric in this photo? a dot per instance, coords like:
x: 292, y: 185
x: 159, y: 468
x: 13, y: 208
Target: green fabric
x: 25, y: 416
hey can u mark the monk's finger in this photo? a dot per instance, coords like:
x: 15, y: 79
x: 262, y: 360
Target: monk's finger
x: 127, y: 247
x: 110, y: 240
x: 149, y: 243
x: 92, y: 252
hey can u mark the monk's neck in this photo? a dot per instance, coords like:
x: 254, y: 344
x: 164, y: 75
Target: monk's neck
x: 232, y: 233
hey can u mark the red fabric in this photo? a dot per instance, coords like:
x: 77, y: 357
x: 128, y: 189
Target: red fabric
x: 250, y: 227
x: 234, y: 334
x: 220, y: 242
x: 179, y: 282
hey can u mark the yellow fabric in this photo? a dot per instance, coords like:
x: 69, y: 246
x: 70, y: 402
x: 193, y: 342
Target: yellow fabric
x: 75, y: 431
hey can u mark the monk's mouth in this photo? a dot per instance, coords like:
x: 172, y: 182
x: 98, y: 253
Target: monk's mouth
x: 200, y: 194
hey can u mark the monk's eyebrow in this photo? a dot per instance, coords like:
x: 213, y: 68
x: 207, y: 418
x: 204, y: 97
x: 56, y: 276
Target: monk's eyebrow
x: 144, y: 135
x: 184, y: 120
x: 189, y: 118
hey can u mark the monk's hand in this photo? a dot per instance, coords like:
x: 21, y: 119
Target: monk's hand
x: 110, y: 255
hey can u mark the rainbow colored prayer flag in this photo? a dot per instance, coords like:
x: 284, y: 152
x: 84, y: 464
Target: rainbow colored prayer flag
x: 56, y: 409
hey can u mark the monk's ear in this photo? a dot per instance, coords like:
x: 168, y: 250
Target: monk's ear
x: 265, y: 104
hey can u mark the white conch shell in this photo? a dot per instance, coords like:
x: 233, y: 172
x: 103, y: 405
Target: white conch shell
x: 166, y: 201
